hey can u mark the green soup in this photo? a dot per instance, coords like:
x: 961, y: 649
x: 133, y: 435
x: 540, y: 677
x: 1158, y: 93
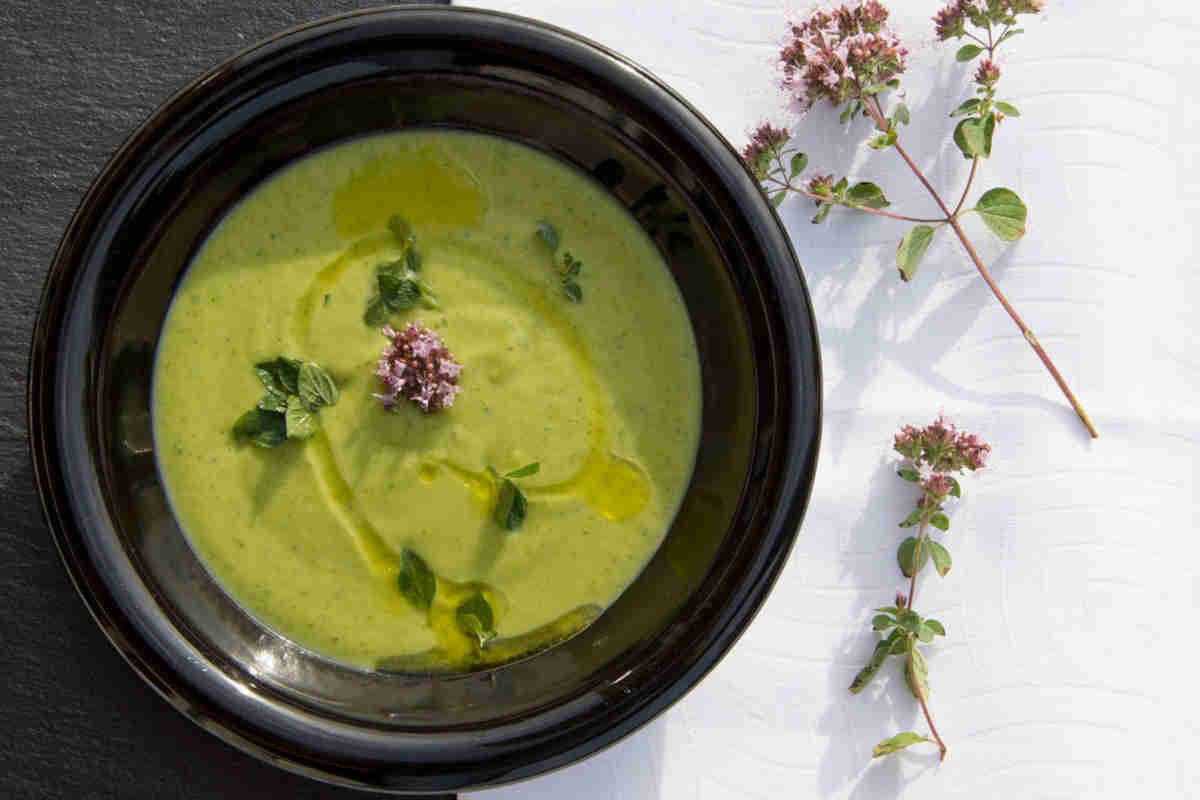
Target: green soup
x: 310, y: 537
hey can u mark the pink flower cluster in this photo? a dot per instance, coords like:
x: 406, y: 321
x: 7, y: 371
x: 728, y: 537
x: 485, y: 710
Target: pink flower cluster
x: 942, y: 448
x: 835, y: 55
x: 951, y: 21
x: 765, y: 144
x: 417, y: 365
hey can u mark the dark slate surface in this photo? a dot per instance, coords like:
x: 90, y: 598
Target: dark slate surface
x: 76, y: 78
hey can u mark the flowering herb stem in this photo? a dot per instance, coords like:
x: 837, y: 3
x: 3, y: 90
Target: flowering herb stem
x: 848, y: 57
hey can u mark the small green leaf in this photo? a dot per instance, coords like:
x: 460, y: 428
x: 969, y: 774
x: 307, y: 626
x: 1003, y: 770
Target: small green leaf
x: 316, y: 387
x: 778, y: 197
x: 798, y: 164
x: 867, y: 194
x: 1009, y: 34
x: 412, y: 259
x: 839, y: 188
x: 511, y: 506
x: 955, y: 489
x: 909, y: 621
x: 875, y: 88
x: 261, y: 428
x: 298, y: 420
x: 909, y: 474
x: 890, y: 610
x: 898, y: 743
x: 906, y: 554
x: 1007, y: 109
x: 525, y: 471
x: 917, y: 673
x: 878, y: 656
x: 377, y: 313
x: 822, y: 213
x: 940, y: 521
x: 474, y: 617
x: 941, y: 557
x: 893, y: 83
x: 573, y: 291
x: 273, y: 400
x: 1004, y: 213
x: 912, y: 249
x: 967, y: 107
x: 398, y: 294
x: 912, y: 519
x: 974, y: 136
x: 968, y: 52
x: 416, y: 580
x: 925, y: 633
x: 401, y: 230
x: 548, y: 234
x: 936, y: 627
x: 882, y: 622
x: 900, y: 645
x: 900, y: 115
x: 847, y: 112
x: 571, y: 265
x: 883, y: 140
x: 280, y: 374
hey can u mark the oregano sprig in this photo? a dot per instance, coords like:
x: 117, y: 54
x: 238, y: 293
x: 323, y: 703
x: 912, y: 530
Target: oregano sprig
x: 294, y: 392
x: 847, y: 57
x: 931, y: 455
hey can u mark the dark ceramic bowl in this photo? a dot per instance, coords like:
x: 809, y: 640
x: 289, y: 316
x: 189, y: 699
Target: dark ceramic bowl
x: 102, y: 313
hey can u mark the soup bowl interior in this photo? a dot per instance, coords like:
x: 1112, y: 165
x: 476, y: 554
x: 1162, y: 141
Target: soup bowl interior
x: 104, y: 309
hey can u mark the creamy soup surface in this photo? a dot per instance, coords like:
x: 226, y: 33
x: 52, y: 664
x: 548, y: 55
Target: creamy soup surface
x: 603, y: 394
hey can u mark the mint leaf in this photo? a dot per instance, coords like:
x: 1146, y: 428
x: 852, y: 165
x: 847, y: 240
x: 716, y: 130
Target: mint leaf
x: 968, y: 52
x: 401, y: 230
x: 878, y: 656
x: 898, y: 743
x: 525, y: 471
x: 548, y: 234
x: 474, y: 618
x: 280, y: 374
x: 917, y: 673
x: 511, y: 506
x: 909, y: 474
x: 1007, y: 109
x: 1004, y: 213
x: 912, y: 249
x: 798, y: 163
x: 867, y: 194
x: 398, y: 294
x: 299, y: 421
x: 261, y: 428
x: 941, y: 557
x: 316, y: 387
x: 967, y: 107
x: 416, y: 580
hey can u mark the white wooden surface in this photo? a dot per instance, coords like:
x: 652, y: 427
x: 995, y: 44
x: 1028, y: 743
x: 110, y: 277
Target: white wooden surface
x: 1066, y: 672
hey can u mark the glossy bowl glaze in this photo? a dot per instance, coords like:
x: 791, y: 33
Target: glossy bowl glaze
x: 102, y: 312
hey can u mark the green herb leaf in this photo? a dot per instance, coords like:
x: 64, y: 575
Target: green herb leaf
x: 900, y: 115
x: 511, y: 506
x: 974, y: 136
x: 525, y: 471
x: 548, y: 234
x: 912, y: 519
x: 883, y: 140
x: 909, y: 621
x: 273, y: 400
x: 474, y: 617
x: 412, y: 259
x: 847, y: 112
x: 968, y: 52
x: 909, y: 474
x: 925, y: 633
x: 940, y: 521
x: 377, y: 313
x: 571, y: 266
x: 798, y: 164
x: 917, y: 673
x: 778, y: 197
x: 882, y: 622
x: 867, y: 194
x: 912, y: 249
x: 401, y: 230
x: 316, y: 387
x: 822, y: 213
x: 867, y: 673
x: 428, y: 298
x: 936, y: 627
x: 1009, y: 34
x: 280, y: 374
x: 299, y: 421
x: 898, y: 743
x: 1007, y: 109
x: 416, y: 580
x: 955, y: 489
x: 398, y: 294
x: 573, y: 291
x: 261, y: 428
x: 839, y: 188
x: 906, y: 554
x: 900, y: 645
x: 890, y: 609
x: 967, y: 107
x: 1004, y: 213
x: 941, y: 557
x: 875, y: 88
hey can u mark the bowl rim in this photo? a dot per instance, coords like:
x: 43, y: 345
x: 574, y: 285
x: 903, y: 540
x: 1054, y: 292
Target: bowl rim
x: 194, y: 702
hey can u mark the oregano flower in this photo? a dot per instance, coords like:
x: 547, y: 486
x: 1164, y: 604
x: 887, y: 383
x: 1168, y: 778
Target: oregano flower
x: 418, y: 366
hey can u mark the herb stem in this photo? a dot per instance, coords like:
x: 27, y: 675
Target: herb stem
x: 967, y: 188
x: 932, y: 728
x: 789, y: 186
x: 912, y: 584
